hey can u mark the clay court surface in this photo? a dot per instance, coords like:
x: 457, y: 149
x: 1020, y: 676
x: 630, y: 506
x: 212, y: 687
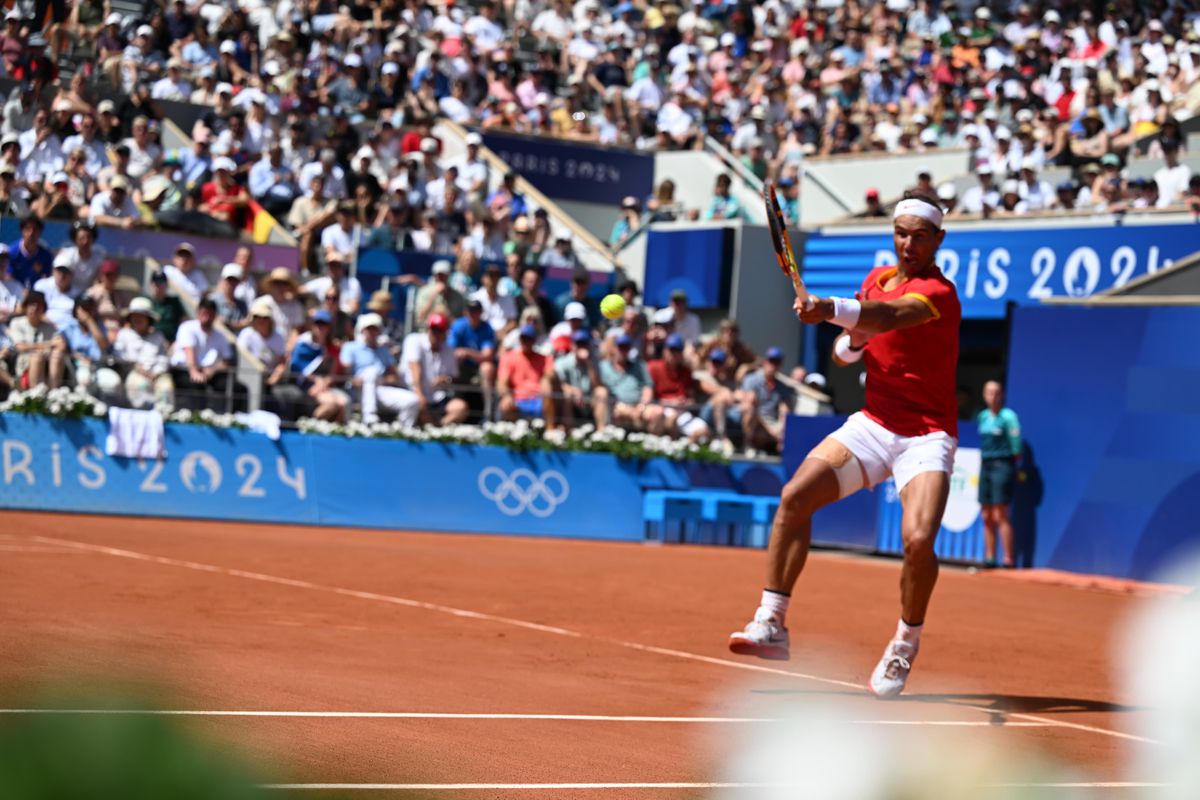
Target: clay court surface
x: 605, y: 662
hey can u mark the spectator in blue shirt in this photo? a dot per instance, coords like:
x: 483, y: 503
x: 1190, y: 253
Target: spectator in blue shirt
x: 89, y: 348
x: 272, y: 183
x: 474, y: 344
x: 373, y: 372
x: 1000, y: 445
x: 723, y: 206
x: 29, y: 259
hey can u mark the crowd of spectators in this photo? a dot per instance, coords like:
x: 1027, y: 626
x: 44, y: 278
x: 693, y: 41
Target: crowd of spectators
x: 323, y: 117
x: 348, y: 95
x: 502, y: 350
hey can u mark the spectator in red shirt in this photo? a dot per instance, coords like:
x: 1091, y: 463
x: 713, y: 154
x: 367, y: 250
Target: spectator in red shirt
x: 675, y: 392
x: 524, y: 381
x: 222, y: 198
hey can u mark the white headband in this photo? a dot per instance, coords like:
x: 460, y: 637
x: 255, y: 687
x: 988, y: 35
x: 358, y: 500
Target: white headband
x: 919, y: 208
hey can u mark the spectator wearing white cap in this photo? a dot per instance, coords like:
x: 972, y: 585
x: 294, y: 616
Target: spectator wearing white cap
x: 188, y: 279
x: 373, y: 374
x: 1011, y: 204
x: 222, y: 198
x: 140, y: 56
x: 1154, y: 50
x: 473, y: 170
x: 115, y: 207
x: 349, y: 289
x: 574, y: 318
x: 59, y: 292
x: 948, y: 196
x: 1038, y: 194
x: 438, y: 296
x: 55, y: 201
x: 142, y: 353
x: 984, y: 196
x: 231, y: 309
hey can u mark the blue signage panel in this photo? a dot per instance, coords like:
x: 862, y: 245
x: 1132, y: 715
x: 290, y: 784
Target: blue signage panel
x: 572, y: 171
x: 1109, y: 401
x: 60, y: 465
x: 993, y: 266
x: 696, y: 260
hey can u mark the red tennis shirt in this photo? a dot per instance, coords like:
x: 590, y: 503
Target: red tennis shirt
x: 911, y: 373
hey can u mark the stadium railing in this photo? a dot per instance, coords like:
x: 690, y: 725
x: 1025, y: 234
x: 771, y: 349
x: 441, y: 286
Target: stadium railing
x: 593, y: 253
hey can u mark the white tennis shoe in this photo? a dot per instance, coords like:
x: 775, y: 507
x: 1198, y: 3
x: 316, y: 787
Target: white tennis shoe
x: 764, y: 637
x: 891, y: 673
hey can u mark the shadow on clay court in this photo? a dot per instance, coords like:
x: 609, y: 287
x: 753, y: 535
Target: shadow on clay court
x: 1023, y: 704
x: 999, y: 703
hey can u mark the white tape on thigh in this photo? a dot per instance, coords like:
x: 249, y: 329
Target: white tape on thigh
x: 849, y: 474
x: 850, y: 477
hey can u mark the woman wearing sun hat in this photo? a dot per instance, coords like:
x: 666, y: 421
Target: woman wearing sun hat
x: 141, y: 352
x: 281, y: 288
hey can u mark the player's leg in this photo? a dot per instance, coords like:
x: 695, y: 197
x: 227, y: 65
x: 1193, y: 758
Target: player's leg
x: 922, y: 472
x: 924, y: 502
x: 830, y: 472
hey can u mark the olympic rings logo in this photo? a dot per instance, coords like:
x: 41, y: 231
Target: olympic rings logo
x: 524, y: 491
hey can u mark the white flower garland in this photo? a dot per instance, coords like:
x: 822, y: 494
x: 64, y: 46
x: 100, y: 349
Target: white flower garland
x: 523, y: 435
x: 60, y: 402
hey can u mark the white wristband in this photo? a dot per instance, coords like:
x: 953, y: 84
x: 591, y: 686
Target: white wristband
x: 843, y: 351
x: 845, y: 312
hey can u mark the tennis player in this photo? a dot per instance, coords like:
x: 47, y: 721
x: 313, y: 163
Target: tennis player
x: 905, y: 325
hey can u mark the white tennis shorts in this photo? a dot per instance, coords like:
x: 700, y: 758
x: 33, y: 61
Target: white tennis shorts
x: 883, y: 453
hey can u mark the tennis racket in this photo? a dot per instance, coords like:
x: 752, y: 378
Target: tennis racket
x: 783, y: 246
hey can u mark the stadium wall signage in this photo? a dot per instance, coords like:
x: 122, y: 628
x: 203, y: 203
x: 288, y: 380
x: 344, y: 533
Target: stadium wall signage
x: 994, y: 266
x: 570, y: 171
x: 55, y: 464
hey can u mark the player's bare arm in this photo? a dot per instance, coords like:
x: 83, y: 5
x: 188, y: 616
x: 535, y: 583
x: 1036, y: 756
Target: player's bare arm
x: 874, y: 316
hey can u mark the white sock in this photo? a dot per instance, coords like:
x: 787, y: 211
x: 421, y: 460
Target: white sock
x: 776, y: 603
x: 910, y: 634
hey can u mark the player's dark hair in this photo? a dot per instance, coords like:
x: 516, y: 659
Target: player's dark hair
x: 924, y: 195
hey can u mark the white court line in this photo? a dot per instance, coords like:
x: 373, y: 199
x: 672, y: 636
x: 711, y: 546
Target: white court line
x: 457, y: 787
x: 485, y: 716
x: 519, y: 623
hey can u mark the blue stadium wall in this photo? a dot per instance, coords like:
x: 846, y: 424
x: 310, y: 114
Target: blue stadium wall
x: 60, y: 465
x: 1109, y: 401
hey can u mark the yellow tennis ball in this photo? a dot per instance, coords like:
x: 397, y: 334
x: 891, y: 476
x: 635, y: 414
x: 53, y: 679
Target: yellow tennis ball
x: 612, y: 306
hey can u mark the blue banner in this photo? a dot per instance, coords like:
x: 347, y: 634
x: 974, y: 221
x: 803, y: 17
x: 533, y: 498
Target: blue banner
x: 572, y: 171
x: 60, y: 465
x: 1109, y: 402
x: 992, y: 267
x: 696, y: 260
